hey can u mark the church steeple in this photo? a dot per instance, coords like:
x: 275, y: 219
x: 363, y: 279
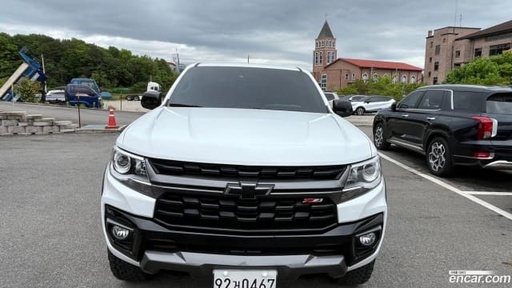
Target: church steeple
x: 325, y: 32
x: 325, y: 49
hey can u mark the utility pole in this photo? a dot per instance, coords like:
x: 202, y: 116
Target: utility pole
x: 43, y: 97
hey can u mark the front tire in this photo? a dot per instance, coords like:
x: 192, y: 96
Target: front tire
x: 439, y: 158
x: 358, y: 276
x: 125, y: 271
x: 378, y: 137
x: 360, y: 111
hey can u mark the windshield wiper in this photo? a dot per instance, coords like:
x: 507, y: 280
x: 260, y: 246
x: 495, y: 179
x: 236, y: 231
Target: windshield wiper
x: 182, y: 105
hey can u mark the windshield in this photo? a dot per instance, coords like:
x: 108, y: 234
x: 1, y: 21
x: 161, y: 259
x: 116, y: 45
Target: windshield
x: 357, y: 98
x: 88, y: 82
x: 249, y: 88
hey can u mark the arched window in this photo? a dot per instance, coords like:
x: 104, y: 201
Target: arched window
x: 365, y: 76
x: 413, y: 79
x: 375, y: 76
x: 317, y: 60
x: 404, y: 78
x: 321, y: 58
x: 395, y: 79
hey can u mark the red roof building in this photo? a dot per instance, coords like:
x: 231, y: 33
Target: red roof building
x: 333, y: 73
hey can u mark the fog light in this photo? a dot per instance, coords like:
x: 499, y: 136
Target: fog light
x: 119, y: 232
x: 367, y: 239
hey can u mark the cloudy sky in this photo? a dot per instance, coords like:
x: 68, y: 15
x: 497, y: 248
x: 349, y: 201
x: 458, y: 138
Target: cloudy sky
x: 278, y: 32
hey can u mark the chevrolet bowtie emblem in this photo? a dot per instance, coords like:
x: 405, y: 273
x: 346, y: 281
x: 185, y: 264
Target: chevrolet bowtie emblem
x: 248, y: 191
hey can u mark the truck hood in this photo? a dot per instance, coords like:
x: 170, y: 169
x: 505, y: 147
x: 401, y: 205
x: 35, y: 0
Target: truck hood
x: 246, y: 137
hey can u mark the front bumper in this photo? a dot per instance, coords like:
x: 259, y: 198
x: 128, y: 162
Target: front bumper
x: 200, y: 265
x: 154, y: 247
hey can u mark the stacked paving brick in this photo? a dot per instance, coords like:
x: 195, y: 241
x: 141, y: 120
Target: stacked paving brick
x: 21, y: 123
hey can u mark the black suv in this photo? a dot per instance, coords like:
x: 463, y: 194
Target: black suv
x: 452, y: 125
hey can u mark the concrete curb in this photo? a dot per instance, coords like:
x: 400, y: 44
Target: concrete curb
x: 97, y: 129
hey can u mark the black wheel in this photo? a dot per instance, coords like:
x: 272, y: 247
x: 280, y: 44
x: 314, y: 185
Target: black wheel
x: 439, y: 158
x: 360, y: 111
x: 378, y: 137
x: 125, y: 271
x: 359, y: 276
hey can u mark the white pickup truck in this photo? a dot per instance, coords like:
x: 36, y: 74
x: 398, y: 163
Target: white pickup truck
x: 245, y: 176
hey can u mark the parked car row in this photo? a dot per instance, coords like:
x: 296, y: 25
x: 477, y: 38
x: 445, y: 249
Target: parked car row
x: 452, y: 125
x: 362, y: 104
x: 370, y: 104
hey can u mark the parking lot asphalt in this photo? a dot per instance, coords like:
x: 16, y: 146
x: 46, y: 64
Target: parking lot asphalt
x: 51, y: 227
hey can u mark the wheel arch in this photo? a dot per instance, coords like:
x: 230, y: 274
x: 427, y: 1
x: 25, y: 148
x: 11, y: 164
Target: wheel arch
x: 434, y: 133
x: 359, y: 107
x: 379, y: 119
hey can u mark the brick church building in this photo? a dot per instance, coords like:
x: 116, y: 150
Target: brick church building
x: 333, y: 73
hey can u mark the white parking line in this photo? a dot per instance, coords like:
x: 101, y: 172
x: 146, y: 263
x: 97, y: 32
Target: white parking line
x: 449, y: 187
x: 486, y: 193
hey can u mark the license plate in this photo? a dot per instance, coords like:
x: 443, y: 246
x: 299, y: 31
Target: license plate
x: 244, y: 278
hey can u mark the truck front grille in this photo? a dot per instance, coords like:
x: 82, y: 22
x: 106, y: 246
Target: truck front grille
x: 228, y: 212
x: 178, y: 168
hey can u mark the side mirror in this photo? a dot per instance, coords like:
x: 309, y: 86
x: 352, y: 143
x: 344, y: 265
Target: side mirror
x: 151, y: 100
x: 393, y: 107
x: 342, y: 107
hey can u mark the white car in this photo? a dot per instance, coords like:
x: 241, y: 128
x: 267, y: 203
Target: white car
x: 331, y: 96
x: 56, y: 96
x: 243, y: 174
x: 371, y: 104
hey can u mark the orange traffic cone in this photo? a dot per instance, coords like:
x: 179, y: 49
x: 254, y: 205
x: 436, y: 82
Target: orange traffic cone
x: 111, y: 119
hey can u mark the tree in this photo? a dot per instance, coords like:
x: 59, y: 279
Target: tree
x: 495, y: 70
x: 71, y: 58
x: 28, y: 90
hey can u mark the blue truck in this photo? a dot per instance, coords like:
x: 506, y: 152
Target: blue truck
x: 93, y: 85
x: 82, y: 94
x: 75, y: 94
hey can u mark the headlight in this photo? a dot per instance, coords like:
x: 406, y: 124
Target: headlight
x: 125, y: 163
x: 122, y: 162
x: 362, y: 177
